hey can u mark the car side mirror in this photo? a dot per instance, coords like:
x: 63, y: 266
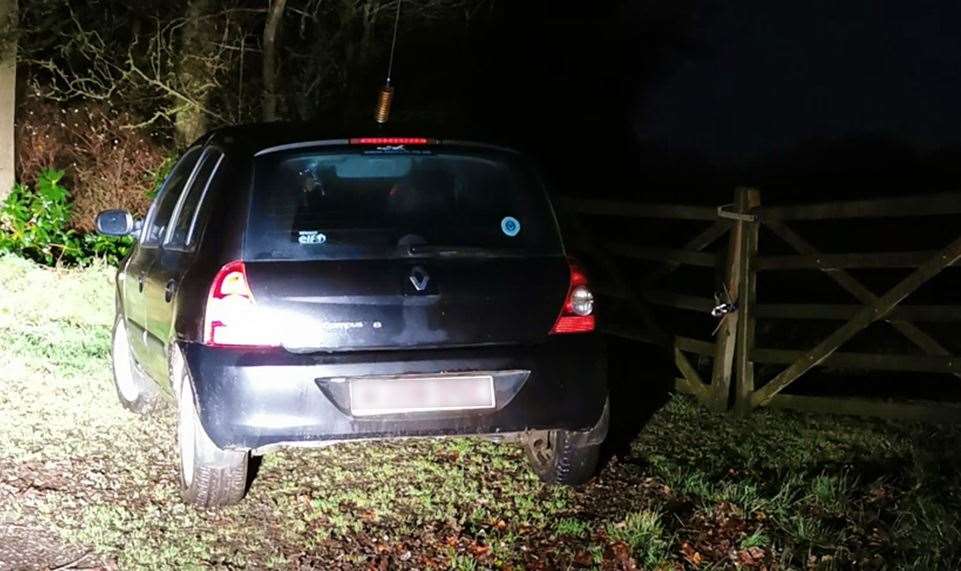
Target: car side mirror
x: 117, y: 223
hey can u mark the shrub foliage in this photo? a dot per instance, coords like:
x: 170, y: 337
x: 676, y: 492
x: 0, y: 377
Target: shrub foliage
x: 35, y: 223
x: 109, y: 167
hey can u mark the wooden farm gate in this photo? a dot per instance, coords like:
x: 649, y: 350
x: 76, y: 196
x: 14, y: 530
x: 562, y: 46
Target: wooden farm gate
x: 730, y: 293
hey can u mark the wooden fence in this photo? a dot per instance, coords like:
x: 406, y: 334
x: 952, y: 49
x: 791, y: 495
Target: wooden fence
x: 736, y: 347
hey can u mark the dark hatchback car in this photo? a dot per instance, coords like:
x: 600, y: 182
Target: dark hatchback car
x: 294, y: 290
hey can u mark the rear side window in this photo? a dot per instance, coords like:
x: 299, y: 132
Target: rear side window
x: 179, y: 236
x: 321, y: 204
x: 159, y: 217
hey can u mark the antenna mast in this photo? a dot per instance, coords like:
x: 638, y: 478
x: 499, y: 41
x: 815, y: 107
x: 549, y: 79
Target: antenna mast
x: 382, y: 113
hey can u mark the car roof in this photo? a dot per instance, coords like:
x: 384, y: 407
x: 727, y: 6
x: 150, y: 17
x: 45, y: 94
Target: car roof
x: 255, y: 137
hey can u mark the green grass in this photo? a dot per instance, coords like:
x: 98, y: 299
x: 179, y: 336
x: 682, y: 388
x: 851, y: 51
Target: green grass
x: 757, y: 538
x: 643, y: 532
x: 773, y: 489
x: 572, y: 527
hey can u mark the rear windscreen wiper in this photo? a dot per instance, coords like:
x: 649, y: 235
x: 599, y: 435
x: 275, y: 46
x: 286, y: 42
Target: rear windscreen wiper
x: 460, y: 251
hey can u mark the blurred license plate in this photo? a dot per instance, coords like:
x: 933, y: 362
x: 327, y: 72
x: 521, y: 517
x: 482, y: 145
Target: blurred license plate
x: 370, y: 397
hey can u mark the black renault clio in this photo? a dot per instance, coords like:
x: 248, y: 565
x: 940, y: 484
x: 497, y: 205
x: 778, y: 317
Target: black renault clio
x: 291, y: 289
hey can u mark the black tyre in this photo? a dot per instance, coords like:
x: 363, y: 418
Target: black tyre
x: 209, y: 476
x: 137, y: 392
x: 560, y: 457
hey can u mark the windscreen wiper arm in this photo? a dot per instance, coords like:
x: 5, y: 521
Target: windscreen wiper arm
x: 456, y: 251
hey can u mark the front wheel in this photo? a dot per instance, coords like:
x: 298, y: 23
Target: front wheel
x: 209, y: 476
x: 559, y: 457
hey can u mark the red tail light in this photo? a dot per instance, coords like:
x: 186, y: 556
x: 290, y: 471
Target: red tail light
x: 390, y: 141
x: 577, y: 315
x: 230, y: 318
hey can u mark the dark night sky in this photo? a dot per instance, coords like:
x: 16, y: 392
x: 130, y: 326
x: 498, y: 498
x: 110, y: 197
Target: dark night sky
x: 696, y: 93
x: 764, y: 76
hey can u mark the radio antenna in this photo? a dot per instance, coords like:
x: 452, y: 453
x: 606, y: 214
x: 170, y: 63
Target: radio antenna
x: 382, y: 113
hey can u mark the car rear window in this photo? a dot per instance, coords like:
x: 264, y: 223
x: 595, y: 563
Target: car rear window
x: 386, y: 203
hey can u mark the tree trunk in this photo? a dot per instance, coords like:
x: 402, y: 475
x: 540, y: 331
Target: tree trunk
x: 8, y: 94
x: 191, y: 121
x: 271, y: 34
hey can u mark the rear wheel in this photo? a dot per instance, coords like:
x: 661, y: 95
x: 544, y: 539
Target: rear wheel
x: 137, y: 393
x: 209, y: 476
x: 559, y: 457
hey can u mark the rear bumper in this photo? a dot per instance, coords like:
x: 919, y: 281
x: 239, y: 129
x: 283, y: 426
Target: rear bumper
x: 262, y: 398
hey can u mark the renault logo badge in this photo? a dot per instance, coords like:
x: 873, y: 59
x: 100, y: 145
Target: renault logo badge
x: 419, y: 278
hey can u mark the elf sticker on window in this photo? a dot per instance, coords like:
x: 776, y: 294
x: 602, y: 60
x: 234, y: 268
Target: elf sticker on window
x: 511, y: 226
x: 311, y: 238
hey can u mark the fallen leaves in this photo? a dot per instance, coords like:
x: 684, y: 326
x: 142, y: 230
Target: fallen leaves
x: 691, y: 555
x: 621, y: 554
x: 584, y: 558
x: 751, y: 557
x: 715, y: 535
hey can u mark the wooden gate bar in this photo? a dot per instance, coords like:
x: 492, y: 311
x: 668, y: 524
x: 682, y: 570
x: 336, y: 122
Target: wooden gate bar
x: 673, y: 255
x: 914, y: 334
x: 694, y: 383
x: 928, y: 313
x: 597, y: 207
x: 680, y: 301
x: 610, y: 266
x: 914, y: 363
x: 930, y: 205
x: 844, y: 261
x: 691, y: 381
x: 868, y: 315
x: 698, y: 243
x: 696, y: 346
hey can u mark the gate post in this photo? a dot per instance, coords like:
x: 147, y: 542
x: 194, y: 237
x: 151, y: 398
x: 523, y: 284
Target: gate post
x: 749, y: 200
x: 726, y: 342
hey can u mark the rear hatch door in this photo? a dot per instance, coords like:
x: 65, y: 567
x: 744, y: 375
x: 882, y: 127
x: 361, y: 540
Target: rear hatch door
x: 351, y: 248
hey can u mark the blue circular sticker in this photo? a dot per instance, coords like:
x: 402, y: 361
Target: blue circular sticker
x: 511, y: 226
